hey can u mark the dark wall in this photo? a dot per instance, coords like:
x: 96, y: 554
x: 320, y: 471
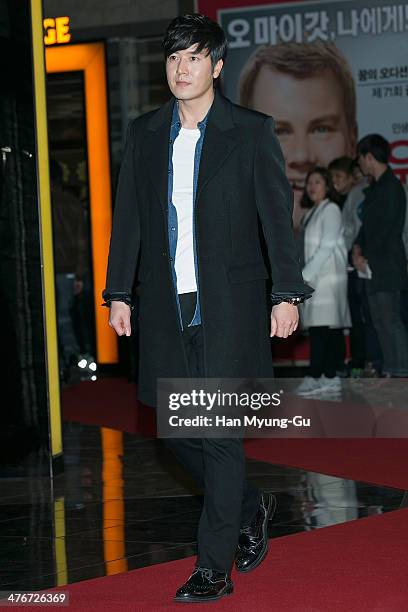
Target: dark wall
x: 23, y: 392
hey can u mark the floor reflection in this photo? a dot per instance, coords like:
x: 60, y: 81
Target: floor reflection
x: 123, y: 503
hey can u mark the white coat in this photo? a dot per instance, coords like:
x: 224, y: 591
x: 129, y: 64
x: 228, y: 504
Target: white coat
x: 325, y: 268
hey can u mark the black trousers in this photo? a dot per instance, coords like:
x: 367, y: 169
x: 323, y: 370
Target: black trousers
x: 218, y: 467
x: 385, y: 308
x: 325, y: 343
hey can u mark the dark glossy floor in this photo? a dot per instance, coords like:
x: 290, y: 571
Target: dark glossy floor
x: 123, y: 503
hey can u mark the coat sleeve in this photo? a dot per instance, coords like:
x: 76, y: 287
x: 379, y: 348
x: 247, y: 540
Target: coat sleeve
x: 274, y: 201
x: 125, y: 236
x: 331, y: 230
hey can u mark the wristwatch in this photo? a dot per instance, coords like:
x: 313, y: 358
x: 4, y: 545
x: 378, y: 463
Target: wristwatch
x: 295, y: 300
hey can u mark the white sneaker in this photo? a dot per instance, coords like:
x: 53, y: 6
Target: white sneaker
x: 330, y: 384
x: 308, y: 386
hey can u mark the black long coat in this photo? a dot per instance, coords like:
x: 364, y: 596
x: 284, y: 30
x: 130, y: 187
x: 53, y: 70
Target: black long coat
x: 241, y: 179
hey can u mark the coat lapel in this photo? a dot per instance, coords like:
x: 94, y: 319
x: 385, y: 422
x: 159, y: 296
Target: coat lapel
x: 155, y: 150
x: 221, y: 138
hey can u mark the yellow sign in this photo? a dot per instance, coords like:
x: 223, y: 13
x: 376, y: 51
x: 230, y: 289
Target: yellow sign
x: 56, y: 30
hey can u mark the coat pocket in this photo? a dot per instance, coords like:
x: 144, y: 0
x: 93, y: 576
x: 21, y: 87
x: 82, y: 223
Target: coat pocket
x: 242, y: 273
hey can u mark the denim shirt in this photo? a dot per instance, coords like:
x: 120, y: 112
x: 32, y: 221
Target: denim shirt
x: 172, y: 223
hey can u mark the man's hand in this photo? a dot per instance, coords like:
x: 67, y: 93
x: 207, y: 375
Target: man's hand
x: 284, y: 320
x: 359, y: 262
x: 119, y: 318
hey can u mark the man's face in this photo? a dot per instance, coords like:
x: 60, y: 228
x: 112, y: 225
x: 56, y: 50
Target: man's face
x: 310, y: 121
x: 364, y: 163
x: 342, y: 181
x: 190, y: 74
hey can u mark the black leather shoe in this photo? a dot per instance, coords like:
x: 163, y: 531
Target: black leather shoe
x: 205, y: 584
x: 253, y: 538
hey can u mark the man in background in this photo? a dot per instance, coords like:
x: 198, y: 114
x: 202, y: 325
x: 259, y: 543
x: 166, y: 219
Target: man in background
x: 309, y: 90
x: 379, y: 251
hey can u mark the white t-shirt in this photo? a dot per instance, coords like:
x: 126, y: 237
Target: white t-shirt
x: 183, y: 174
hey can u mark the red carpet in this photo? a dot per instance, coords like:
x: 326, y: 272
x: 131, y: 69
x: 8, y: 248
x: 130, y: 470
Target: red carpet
x: 360, y: 565
x: 111, y: 402
x: 380, y: 461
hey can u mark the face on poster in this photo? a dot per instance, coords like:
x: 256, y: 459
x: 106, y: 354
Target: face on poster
x: 328, y: 72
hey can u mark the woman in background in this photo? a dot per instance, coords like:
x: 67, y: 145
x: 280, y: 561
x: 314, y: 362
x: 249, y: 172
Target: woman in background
x: 325, y: 269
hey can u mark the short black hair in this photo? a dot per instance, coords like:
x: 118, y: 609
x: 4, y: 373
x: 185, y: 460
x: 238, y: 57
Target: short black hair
x: 342, y: 164
x: 377, y: 145
x: 195, y: 29
x: 331, y: 193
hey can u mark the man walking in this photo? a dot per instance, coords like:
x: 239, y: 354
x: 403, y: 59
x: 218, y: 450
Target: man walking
x: 197, y: 175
